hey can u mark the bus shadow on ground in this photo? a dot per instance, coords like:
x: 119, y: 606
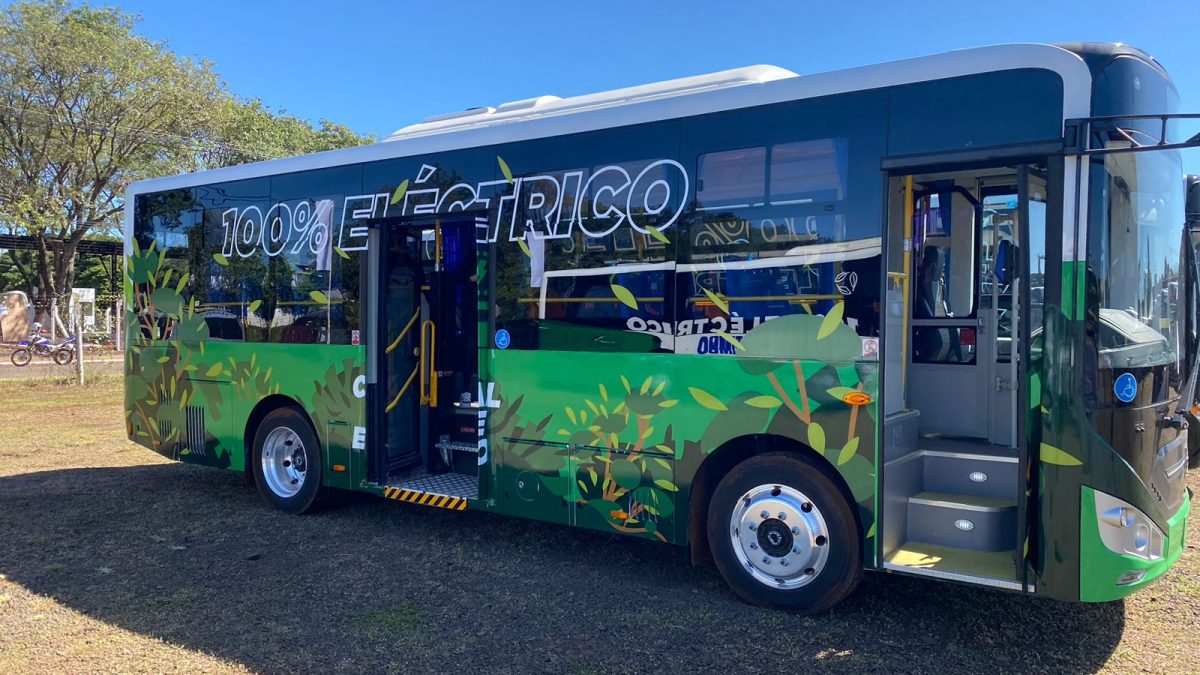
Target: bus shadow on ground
x: 191, y: 556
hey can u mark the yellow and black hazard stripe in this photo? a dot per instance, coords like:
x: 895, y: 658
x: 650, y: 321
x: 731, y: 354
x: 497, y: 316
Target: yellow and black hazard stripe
x: 426, y: 499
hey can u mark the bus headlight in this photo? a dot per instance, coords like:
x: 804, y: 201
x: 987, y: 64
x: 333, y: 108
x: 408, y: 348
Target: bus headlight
x: 1126, y: 530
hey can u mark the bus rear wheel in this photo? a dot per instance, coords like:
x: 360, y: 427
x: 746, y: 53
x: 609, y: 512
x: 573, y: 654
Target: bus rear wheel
x: 783, y: 535
x: 287, y: 461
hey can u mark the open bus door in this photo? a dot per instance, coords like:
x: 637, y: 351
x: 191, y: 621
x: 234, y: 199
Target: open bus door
x: 1191, y: 233
x: 423, y: 361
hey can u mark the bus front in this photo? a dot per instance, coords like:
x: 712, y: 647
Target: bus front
x: 1114, y: 432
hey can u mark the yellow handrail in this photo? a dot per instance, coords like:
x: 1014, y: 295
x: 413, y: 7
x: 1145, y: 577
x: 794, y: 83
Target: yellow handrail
x: 404, y: 332
x: 428, y: 364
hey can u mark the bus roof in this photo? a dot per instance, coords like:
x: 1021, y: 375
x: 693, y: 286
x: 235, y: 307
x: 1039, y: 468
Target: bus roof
x: 548, y: 116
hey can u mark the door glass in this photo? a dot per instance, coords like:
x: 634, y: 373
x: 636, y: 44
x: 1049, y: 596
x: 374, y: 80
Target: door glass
x: 998, y: 265
x: 944, y: 247
x: 401, y: 317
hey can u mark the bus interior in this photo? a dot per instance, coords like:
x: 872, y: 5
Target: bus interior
x: 953, y: 485
x: 424, y: 375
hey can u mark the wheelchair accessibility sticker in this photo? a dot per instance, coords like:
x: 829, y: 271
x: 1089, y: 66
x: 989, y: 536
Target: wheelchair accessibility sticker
x: 503, y: 339
x: 1125, y: 388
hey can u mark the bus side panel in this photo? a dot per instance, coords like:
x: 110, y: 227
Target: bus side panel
x: 192, y: 401
x: 613, y: 441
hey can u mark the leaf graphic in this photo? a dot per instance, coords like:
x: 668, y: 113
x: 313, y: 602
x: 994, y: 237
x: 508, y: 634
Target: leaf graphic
x: 399, y: 193
x: 840, y: 392
x: 666, y: 485
x: 504, y: 168
x: 162, y: 359
x: 524, y: 248
x: 831, y: 321
x: 764, y: 402
x: 625, y: 382
x: 730, y: 339
x: 571, y: 415
x: 340, y: 252
x: 848, y: 451
x: 871, y: 532
x: 319, y: 297
x: 213, y: 370
x: 254, y: 306
x: 604, y: 393
x: 816, y: 438
x: 1053, y: 455
x: 646, y: 385
x: 669, y: 403
x: 221, y: 259
x: 706, y: 399
x: 716, y: 300
x: 654, y: 232
x: 624, y: 295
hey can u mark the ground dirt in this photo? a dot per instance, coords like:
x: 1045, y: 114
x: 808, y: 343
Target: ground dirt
x: 113, y: 559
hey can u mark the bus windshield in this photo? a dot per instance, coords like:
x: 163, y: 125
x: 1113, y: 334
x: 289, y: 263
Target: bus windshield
x: 1140, y: 261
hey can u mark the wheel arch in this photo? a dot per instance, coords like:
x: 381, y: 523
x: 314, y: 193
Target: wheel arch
x: 265, y: 407
x: 733, y: 452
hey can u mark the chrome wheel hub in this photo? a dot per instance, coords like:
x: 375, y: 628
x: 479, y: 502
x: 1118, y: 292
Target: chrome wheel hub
x: 779, y: 536
x: 284, y: 462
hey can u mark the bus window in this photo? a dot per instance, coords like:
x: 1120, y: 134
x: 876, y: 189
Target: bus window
x: 731, y: 179
x: 808, y: 171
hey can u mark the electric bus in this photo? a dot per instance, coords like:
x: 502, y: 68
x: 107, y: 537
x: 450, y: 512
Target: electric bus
x: 920, y: 317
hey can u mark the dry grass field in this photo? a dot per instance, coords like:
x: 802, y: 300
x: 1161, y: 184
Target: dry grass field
x: 112, y: 559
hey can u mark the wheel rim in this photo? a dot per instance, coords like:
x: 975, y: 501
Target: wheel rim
x: 21, y: 357
x: 779, y: 536
x: 284, y: 462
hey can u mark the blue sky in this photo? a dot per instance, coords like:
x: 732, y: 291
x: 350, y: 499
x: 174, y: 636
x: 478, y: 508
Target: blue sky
x: 376, y: 66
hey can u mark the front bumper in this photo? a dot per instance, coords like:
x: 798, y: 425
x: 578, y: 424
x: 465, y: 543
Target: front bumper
x: 1105, y: 575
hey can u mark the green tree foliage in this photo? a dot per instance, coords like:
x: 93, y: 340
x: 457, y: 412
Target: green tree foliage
x: 88, y: 106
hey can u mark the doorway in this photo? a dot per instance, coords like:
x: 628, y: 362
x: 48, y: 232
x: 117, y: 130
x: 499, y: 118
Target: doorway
x: 424, y: 352
x: 953, y: 487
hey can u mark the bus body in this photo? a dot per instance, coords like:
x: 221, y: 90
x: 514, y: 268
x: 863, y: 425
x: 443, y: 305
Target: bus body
x: 873, y: 319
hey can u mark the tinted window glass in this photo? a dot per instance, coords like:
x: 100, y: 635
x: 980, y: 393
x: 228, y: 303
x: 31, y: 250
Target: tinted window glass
x: 299, y: 239
x: 731, y: 178
x: 236, y: 271
x: 808, y: 171
x: 169, y: 257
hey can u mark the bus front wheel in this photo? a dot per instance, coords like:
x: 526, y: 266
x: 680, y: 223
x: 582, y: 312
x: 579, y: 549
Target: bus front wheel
x: 287, y: 461
x: 783, y: 535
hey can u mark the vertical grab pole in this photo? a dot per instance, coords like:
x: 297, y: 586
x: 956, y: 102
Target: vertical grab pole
x: 421, y: 365
x: 904, y: 282
x: 433, y: 373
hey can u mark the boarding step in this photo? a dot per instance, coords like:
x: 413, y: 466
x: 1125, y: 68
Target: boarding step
x: 965, y: 473
x: 459, y: 456
x: 986, y: 568
x: 444, y: 490
x: 963, y: 521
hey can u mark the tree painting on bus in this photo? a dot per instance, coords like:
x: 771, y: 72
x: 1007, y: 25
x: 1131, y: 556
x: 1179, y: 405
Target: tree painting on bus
x: 182, y: 382
x: 621, y: 443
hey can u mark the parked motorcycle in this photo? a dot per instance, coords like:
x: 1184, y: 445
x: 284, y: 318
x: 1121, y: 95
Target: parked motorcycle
x: 40, y: 345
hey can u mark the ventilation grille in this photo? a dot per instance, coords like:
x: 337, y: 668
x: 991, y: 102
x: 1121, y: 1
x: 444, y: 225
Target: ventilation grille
x: 194, y: 438
x: 165, y: 429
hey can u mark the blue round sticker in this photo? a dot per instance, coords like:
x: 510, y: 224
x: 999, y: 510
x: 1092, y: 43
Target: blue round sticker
x: 1125, y: 388
x: 503, y: 339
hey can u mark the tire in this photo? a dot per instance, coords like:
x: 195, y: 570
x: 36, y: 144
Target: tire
x: 282, y: 441
x: 64, y: 356
x: 21, y: 357
x: 815, y: 555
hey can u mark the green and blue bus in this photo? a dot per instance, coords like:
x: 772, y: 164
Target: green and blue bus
x: 921, y: 317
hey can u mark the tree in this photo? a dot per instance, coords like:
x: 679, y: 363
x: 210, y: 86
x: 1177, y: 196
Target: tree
x: 248, y: 131
x: 86, y: 106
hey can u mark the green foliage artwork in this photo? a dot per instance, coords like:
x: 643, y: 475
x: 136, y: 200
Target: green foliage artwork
x: 614, y: 444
